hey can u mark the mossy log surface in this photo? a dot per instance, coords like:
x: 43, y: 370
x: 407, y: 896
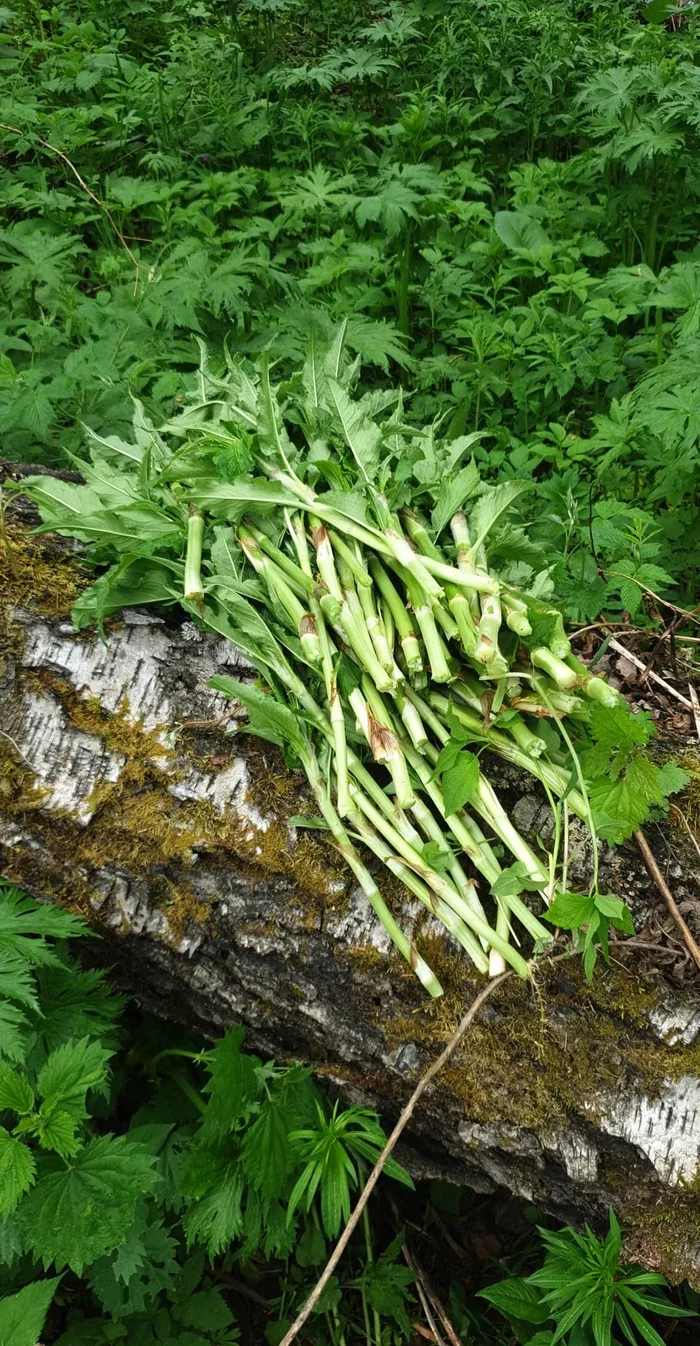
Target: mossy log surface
x: 124, y: 796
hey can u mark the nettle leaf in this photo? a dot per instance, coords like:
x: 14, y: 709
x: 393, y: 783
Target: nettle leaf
x: 69, y: 1073
x: 232, y: 1085
x: 460, y: 781
x: 216, y: 1218
x: 22, y: 1316
x: 13, y: 1024
x: 16, y: 1093
x: 570, y: 910
x: 78, y: 1212
x: 616, y: 727
x: 17, y: 1170
x: 266, y: 1153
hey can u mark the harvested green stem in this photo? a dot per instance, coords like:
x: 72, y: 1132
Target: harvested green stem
x: 193, y: 559
x: 364, y: 878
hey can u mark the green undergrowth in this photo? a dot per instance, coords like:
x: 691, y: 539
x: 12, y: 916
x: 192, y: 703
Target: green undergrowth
x: 502, y: 203
x: 157, y: 1189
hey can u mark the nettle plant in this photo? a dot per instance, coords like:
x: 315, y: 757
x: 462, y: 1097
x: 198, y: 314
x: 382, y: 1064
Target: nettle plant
x: 391, y: 602
x: 229, y: 1159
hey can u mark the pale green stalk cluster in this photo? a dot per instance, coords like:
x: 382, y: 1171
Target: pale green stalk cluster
x: 392, y: 651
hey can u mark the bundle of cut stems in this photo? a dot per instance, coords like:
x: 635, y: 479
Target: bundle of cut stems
x: 389, y: 649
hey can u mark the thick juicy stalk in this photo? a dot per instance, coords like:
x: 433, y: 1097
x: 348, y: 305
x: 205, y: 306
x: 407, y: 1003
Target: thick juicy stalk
x: 457, y: 601
x: 443, y: 888
x: 411, y: 719
x: 554, y: 777
x: 554, y: 667
x: 377, y: 634
x: 365, y: 879
x: 460, y: 532
x: 423, y: 612
x: 301, y: 620
x: 516, y: 615
x: 487, y: 650
x: 410, y: 644
x: 449, y: 918
x: 193, y: 559
x: 337, y: 718
x: 383, y: 743
x: 301, y: 583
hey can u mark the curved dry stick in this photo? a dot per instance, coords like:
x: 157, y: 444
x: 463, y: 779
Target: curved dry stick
x: 688, y: 937
x: 374, y: 1176
x: 88, y: 191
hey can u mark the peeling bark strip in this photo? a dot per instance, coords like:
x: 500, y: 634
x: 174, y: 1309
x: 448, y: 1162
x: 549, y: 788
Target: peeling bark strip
x: 123, y: 795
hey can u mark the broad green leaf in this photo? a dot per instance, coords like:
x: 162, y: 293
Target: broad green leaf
x: 215, y: 1219
x: 362, y: 436
x: 516, y: 1298
x: 234, y: 499
x: 58, y: 1131
x: 12, y: 1024
x: 125, y: 529
x: 452, y: 494
x: 570, y: 910
x: 520, y: 233
x: 78, y: 1212
x: 60, y: 502
x: 269, y: 718
x: 22, y: 1316
x: 266, y: 1153
x: 460, y: 781
x: 492, y: 504
x: 17, y: 1170
x: 134, y: 582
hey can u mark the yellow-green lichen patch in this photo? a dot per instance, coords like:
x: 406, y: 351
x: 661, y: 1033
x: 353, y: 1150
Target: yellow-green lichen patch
x: 34, y: 575
x: 139, y: 825
x: 545, y: 1050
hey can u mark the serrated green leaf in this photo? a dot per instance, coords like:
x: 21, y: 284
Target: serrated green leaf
x: 58, y: 1132
x: 362, y: 436
x: 452, y: 494
x: 22, y: 1316
x: 69, y: 1073
x: 232, y: 1085
x: 570, y: 910
x: 616, y: 727
x: 16, y: 1093
x: 492, y: 504
x: 17, y: 1170
x: 269, y: 718
x: 216, y: 1218
x: 77, y: 1213
x: 266, y: 1154
x: 516, y: 1298
x: 13, y: 1024
x: 460, y: 781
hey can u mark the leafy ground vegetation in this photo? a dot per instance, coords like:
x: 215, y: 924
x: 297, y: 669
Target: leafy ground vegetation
x: 497, y: 206
x: 179, y: 1194
x: 500, y: 199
